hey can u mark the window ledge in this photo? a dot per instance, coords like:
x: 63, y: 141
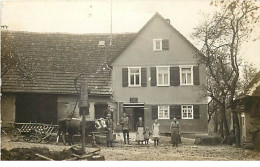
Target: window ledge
x: 163, y: 85
x: 186, y: 84
x: 134, y: 86
x: 163, y: 118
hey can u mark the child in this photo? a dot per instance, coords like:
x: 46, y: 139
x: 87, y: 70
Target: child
x: 146, y: 135
x: 156, y: 132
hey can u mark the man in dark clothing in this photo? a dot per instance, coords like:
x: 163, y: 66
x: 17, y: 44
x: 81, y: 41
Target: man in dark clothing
x: 125, y: 127
x: 110, y: 137
x: 175, y: 132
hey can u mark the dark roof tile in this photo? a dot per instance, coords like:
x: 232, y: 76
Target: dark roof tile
x: 57, y: 59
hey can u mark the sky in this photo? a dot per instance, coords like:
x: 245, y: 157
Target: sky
x: 93, y: 16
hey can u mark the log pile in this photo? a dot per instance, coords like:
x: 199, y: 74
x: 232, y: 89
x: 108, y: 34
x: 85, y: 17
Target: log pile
x: 43, y: 153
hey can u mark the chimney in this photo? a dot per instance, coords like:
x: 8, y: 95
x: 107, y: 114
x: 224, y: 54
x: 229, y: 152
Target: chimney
x: 4, y: 27
x: 168, y: 21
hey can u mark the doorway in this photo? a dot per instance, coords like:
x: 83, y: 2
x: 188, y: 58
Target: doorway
x: 133, y: 114
x: 100, y: 110
x: 36, y: 108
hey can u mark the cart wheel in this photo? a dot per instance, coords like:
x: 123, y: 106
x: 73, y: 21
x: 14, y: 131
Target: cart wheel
x: 15, y: 135
x: 27, y: 138
x: 37, y: 137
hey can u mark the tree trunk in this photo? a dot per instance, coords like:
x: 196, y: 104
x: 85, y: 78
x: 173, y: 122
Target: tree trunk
x: 216, y: 123
x: 237, y: 128
x: 221, y: 128
x: 224, y: 119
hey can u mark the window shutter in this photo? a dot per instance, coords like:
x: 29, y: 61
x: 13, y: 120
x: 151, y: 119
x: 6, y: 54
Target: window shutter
x: 175, y: 112
x: 172, y: 114
x: 153, y: 76
x: 124, y: 77
x: 196, y: 77
x: 175, y: 76
x: 165, y: 44
x: 171, y: 76
x: 196, y: 112
x: 154, y: 112
x: 143, y: 77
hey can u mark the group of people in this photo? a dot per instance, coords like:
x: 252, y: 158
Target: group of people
x: 143, y: 134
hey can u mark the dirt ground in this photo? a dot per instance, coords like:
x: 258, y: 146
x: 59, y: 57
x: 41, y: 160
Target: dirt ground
x: 164, y: 152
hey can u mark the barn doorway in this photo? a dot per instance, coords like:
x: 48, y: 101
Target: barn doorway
x: 36, y: 108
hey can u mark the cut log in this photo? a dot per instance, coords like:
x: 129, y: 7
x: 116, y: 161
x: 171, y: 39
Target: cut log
x: 43, y: 157
x: 93, y: 152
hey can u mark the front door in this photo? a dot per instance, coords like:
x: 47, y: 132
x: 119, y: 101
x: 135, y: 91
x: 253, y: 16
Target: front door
x: 133, y: 114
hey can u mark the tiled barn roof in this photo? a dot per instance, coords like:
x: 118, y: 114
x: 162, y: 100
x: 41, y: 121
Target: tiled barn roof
x: 56, y: 59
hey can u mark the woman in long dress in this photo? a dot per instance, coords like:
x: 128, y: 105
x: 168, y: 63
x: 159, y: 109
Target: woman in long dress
x: 156, y: 132
x: 140, y: 131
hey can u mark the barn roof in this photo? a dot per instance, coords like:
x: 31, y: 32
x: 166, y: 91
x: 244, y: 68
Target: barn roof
x: 56, y: 59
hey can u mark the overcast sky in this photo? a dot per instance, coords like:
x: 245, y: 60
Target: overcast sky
x: 93, y: 16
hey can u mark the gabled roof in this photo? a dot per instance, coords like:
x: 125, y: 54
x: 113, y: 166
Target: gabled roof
x: 251, y: 88
x: 57, y: 59
x: 146, y: 25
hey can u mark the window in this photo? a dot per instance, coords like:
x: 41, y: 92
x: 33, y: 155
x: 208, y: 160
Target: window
x: 186, y: 76
x: 157, y: 44
x: 163, y: 76
x: 187, y: 111
x: 134, y: 76
x: 163, y: 112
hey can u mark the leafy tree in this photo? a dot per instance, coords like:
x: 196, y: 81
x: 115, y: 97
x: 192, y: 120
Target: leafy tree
x: 248, y: 73
x: 222, y: 35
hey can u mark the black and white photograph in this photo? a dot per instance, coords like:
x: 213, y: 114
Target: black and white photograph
x: 130, y: 80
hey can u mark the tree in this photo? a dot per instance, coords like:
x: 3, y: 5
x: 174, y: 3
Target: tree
x: 11, y: 60
x: 222, y: 35
x: 248, y: 73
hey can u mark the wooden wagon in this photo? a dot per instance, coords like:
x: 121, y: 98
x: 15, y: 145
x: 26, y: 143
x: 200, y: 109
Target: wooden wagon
x: 35, y: 132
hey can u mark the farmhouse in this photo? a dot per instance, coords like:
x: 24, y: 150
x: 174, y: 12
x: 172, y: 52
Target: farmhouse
x: 152, y: 74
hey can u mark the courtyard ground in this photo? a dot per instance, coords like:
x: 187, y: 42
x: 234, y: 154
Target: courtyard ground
x: 187, y: 151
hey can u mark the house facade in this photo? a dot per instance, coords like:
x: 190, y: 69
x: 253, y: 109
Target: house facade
x: 158, y: 77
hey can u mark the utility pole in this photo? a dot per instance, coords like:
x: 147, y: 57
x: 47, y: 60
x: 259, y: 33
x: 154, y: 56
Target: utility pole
x: 84, y: 110
x: 111, y: 24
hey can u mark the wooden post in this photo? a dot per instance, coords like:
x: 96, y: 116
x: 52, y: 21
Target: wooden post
x: 83, y: 131
x: 84, y: 110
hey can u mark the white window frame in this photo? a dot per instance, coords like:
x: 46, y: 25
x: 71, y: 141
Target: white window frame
x: 157, y: 75
x: 187, y: 112
x: 154, y: 44
x: 186, y: 66
x: 129, y: 77
x: 168, y: 108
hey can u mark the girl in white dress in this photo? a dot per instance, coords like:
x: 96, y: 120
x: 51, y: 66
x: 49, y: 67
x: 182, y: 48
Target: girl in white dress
x: 156, y: 132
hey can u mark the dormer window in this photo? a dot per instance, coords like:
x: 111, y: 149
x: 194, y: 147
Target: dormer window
x: 101, y: 44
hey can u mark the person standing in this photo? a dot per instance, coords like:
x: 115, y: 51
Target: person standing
x: 156, y: 132
x: 109, y: 137
x: 140, y: 131
x: 125, y: 127
x: 146, y: 135
x: 175, y: 132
